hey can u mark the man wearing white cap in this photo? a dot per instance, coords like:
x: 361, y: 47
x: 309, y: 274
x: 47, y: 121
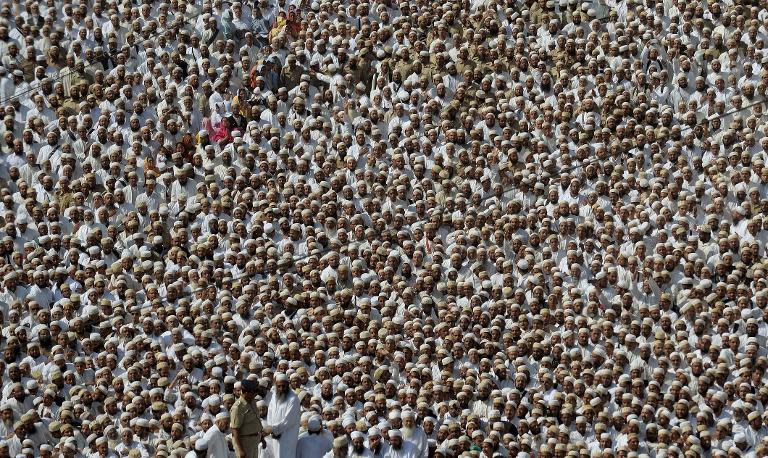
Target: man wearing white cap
x: 756, y: 430
x: 399, y: 448
x: 741, y: 443
x: 413, y: 433
x: 357, y: 448
x: 19, y: 400
x: 316, y: 441
x: 340, y: 448
x: 283, y: 416
x: 216, y: 438
x: 6, y: 419
x: 11, y: 290
x: 200, y: 450
x: 376, y: 444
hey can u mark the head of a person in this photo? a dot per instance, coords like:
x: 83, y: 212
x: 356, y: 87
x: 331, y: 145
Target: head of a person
x: 395, y: 439
x: 281, y: 386
x: 340, y: 446
x: 358, y: 442
x: 249, y: 389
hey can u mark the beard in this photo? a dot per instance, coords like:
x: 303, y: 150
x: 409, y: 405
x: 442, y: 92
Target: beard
x: 282, y: 395
x: 407, y: 432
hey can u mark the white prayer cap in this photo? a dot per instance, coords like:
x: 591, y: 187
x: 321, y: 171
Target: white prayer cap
x: 347, y: 421
x: 314, y: 423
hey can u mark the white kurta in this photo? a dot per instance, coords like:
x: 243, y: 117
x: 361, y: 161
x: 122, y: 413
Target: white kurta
x: 419, y: 441
x: 406, y: 451
x: 217, y: 443
x: 284, y: 417
x: 314, y: 445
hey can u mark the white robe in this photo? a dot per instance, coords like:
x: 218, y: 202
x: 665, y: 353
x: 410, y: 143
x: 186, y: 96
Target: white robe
x: 284, y: 417
x: 419, y: 441
x: 406, y: 451
x: 314, y: 445
x: 217, y: 443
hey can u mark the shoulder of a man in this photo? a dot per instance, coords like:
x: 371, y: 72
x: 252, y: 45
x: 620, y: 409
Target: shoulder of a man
x: 239, y: 405
x: 237, y: 413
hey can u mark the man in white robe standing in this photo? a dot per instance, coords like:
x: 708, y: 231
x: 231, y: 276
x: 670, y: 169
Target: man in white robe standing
x: 283, y: 416
x: 216, y: 437
x: 398, y: 448
x: 316, y: 442
x: 413, y: 433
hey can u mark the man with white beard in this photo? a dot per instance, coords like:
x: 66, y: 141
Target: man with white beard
x: 283, y: 416
x: 414, y: 434
x: 398, y: 448
x: 6, y: 420
x: 316, y: 442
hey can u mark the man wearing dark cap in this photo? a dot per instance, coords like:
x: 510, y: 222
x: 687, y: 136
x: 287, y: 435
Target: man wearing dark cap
x: 247, y: 431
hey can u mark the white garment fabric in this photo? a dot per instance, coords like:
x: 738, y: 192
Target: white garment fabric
x: 406, y: 451
x: 217, y: 443
x: 283, y: 416
x: 314, y: 445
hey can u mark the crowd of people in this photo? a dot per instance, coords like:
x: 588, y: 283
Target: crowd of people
x: 371, y: 228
